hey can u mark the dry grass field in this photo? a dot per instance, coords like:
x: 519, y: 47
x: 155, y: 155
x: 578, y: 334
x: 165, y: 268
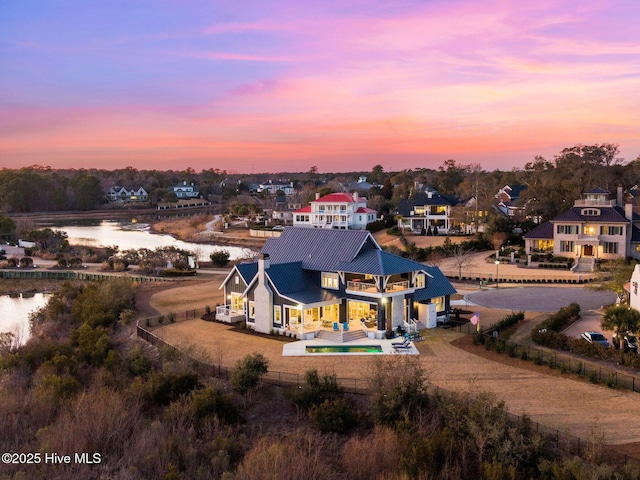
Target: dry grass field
x: 552, y: 399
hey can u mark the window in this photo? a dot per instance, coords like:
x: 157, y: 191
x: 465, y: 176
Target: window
x: 610, y: 247
x: 567, y: 229
x: 252, y: 309
x: 237, y: 280
x: 330, y: 280
x: 566, y: 246
x: 420, y: 280
x: 277, y: 315
x: 590, y: 212
x: 611, y: 230
x: 439, y: 301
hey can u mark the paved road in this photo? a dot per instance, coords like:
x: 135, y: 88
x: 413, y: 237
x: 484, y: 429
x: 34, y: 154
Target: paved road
x: 540, y: 299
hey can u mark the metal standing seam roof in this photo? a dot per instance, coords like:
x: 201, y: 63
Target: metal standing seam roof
x: 292, y: 282
x: 247, y: 271
x: 635, y: 234
x: 437, y: 286
x: 378, y: 262
x: 317, y: 249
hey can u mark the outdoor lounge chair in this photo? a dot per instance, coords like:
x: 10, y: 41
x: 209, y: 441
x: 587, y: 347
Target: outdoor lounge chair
x: 345, y: 326
x: 401, y: 346
x: 335, y: 326
x: 404, y: 343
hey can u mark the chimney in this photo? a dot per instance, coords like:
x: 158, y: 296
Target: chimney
x: 619, y: 199
x: 263, y: 265
x: 355, y: 197
x: 317, y: 195
x: 628, y: 211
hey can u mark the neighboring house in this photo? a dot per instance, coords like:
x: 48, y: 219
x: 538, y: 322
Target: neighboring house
x: 310, y: 279
x: 361, y: 185
x: 273, y: 188
x: 594, y: 228
x: 426, y: 211
x: 284, y: 211
x: 336, y: 210
x: 508, y: 202
x: 186, y: 190
x: 122, y: 194
x: 633, y: 288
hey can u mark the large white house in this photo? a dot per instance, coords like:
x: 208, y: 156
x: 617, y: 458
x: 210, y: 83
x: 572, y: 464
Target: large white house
x: 336, y: 210
x: 597, y: 227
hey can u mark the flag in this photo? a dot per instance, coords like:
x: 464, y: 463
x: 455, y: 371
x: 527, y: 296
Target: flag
x: 475, y: 319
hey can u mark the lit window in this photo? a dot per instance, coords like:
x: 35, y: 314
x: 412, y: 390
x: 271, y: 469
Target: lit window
x: 277, y: 315
x: 330, y: 280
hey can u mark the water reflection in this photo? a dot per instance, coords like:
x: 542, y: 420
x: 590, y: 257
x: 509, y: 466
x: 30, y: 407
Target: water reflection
x: 135, y: 236
x: 15, y: 313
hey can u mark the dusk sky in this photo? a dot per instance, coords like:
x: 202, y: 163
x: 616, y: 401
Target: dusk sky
x: 268, y: 86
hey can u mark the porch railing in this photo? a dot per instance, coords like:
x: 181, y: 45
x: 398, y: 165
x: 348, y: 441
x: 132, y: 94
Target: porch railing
x: 228, y: 310
x: 397, y: 286
x: 362, y: 286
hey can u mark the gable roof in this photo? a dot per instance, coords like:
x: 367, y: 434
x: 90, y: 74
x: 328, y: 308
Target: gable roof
x: 317, y: 249
x: 378, y: 262
x: 247, y: 271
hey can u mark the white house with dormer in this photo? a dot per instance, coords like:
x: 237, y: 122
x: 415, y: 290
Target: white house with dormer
x: 186, y: 190
x: 124, y: 195
x: 336, y: 210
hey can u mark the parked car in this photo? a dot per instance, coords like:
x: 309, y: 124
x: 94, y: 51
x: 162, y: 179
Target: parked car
x: 630, y: 342
x: 597, y: 338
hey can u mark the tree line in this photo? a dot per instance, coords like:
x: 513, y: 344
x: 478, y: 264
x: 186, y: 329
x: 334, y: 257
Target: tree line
x: 552, y: 184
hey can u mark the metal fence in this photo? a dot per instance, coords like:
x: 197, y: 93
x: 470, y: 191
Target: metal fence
x: 563, y: 441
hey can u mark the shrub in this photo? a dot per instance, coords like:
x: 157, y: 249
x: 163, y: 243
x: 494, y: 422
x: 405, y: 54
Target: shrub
x: 26, y: 262
x: 164, y: 388
x: 335, y: 416
x: 248, y: 371
x: 214, y: 402
x: 220, y: 258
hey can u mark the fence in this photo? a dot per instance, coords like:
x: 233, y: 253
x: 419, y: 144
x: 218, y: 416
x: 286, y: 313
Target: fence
x: 535, y: 276
x: 566, y: 442
x: 580, y: 366
x: 74, y: 275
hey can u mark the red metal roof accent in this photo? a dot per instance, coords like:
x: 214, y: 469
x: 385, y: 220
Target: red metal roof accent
x: 335, y: 197
x: 306, y: 209
x: 365, y: 210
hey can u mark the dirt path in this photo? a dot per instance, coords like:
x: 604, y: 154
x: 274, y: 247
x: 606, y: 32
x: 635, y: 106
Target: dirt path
x: 560, y: 402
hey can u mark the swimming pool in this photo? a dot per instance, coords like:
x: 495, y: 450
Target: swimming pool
x: 343, y: 348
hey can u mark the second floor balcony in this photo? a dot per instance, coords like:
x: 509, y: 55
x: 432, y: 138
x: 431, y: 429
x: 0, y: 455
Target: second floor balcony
x: 358, y: 286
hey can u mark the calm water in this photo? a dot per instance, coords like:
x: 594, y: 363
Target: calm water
x: 15, y: 313
x: 109, y: 233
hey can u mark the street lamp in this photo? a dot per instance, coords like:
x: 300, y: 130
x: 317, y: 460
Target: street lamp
x: 497, y: 264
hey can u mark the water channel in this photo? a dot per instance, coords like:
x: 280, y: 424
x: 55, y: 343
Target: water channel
x: 109, y: 233
x: 15, y: 313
